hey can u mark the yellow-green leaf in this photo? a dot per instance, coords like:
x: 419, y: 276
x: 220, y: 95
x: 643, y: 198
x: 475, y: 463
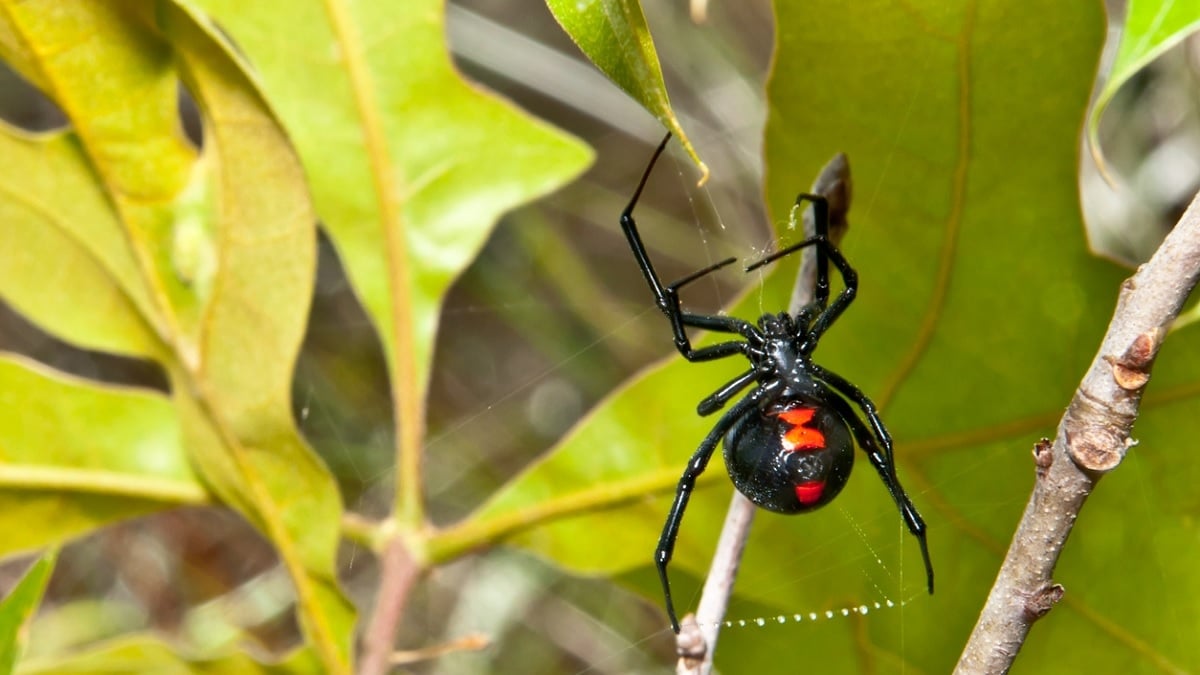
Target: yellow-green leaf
x: 222, y: 246
x: 614, y: 35
x: 238, y: 414
x: 409, y: 165
x: 75, y: 456
x: 136, y: 145
x: 66, y: 264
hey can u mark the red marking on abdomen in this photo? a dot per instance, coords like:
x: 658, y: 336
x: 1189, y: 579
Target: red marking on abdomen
x: 800, y: 437
x: 810, y: 492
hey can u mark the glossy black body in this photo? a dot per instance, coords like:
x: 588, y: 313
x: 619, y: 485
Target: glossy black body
x: 767, y: 471
x: 782, y: 376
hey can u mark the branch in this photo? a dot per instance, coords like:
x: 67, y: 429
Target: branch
x: 1092, y: 440
x: 398, y: 575
x: 696, y: 643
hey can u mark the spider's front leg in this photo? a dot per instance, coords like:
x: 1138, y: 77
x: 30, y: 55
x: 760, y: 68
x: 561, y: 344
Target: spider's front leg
x: 849, y: 277
x: 820, y: 206
x: 667, y: 296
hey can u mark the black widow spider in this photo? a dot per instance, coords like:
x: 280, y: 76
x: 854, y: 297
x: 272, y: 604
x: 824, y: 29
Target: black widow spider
x: 788, y: 444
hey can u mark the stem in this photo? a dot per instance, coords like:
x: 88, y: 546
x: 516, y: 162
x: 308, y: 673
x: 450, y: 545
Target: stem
x: 696, y: 643
x: 98, y: 482
x: 370, y: 535
x: 397, y: 327
x: 477, y: 532
x: 1092, y: 440
x: 398, y: 576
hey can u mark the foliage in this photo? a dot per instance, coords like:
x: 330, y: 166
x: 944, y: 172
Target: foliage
x: 203, y: 261
x: 18, y: 606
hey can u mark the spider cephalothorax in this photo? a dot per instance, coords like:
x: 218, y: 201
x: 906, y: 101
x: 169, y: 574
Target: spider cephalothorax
x: 789, y: 442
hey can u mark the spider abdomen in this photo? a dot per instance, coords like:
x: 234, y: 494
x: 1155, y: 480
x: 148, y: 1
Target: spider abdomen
x: 790, y: 456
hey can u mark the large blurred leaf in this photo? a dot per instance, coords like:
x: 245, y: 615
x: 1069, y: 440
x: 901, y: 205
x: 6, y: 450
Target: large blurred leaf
x: 614, y: 35
x: 1151, y: 27
x: 18, y: 606
x: 979, y: 309
x: 214, y: 251
x: 409, y: 165
x: 76, y: 456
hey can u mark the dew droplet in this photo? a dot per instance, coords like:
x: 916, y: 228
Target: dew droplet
x: 812, y: 616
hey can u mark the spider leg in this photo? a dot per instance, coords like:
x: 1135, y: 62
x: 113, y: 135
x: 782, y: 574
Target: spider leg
x: 880, y: 459
x: 847, y: 389
x: 719, y: 351
x: 721, y: 324
x: 667, y: 296
x: 720, y: 397
x: 841, y: 302
x: 820, y: 206
x: 687, y: 482
x: 701, y: 273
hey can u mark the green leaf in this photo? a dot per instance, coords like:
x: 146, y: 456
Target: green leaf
x: 409, y: 166
x: 614, y: 35
x: 979, y: 309
x: 72, y: 272
x: 1151, y: 28
x: 139, y: 153
x: 238, y: 416
x: 59, y: 471
x: 222, y: 246
x: 18, y: 606
x: 147, y: 654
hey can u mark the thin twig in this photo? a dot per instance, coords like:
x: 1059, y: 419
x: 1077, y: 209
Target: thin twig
x: 398, y: 575
x: 697, y: 640
x: 468, y: 643
x: 1092, y: 439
